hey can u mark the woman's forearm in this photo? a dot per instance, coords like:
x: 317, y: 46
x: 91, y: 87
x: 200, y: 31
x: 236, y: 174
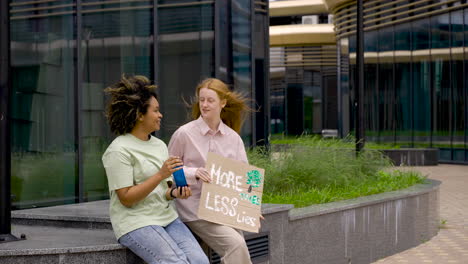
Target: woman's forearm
x: 129, y: 196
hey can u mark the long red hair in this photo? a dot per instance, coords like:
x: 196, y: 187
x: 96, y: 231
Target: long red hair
x: 236, y: 108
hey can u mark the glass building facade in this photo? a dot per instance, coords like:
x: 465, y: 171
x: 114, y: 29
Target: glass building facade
x: 65, y: 52
x: 303, y: 89
x: 302, y: 72
x: 416, y: 74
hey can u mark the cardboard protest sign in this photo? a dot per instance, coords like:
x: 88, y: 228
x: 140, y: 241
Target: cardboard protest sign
x: 234, y: 196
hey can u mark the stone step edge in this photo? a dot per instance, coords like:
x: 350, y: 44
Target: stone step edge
x: 56, y: 251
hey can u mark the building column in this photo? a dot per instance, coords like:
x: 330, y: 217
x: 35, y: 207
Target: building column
x: 5, y: 158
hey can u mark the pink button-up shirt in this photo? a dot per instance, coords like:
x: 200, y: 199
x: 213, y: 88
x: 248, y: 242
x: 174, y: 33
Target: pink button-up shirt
x: 192, y: 142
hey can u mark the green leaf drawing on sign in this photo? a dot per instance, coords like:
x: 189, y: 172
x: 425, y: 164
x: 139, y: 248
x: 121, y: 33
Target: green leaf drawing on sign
x: 254, y: 178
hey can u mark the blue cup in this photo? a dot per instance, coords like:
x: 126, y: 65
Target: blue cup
x: 179, y: 177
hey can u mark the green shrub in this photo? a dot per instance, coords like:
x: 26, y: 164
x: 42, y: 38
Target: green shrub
x: 314, y: 170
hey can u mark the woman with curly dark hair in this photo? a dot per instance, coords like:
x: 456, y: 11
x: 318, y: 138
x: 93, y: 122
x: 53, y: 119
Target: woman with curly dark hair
x: 138, y: 170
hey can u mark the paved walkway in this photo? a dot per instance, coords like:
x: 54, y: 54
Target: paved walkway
x: 451, y: 244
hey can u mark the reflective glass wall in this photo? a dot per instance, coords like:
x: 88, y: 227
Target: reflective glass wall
x: 43, y: 105
x: 303, y: 89
x: 185, y: 57
x: 64, y: 53
x: 116, y: 38
x: 416, y: 84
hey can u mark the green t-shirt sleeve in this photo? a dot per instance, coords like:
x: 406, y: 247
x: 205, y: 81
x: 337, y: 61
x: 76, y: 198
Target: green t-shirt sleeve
x: 119, y: 170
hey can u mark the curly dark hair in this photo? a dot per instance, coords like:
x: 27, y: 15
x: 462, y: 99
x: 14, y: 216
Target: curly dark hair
x: 129, y: 99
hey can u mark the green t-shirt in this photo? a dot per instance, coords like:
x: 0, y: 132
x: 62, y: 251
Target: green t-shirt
x: 130, y: 161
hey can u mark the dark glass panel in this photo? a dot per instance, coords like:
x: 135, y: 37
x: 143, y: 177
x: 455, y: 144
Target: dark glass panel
x: 386, y: 101
x: 403, y: 114
x: 440, y: 31
x: 352, y: 44
x: 442, y: 115
x: 277, y: 90
x: 371, y: 41
x: 421, y: 103
x: 386, y: 90
x: 330, y: 104
x: 386, y: 39
x: 241, y: 19
x: 421, y: 82
x: 185, y: 57
x: 294, y: 103
x: 312, y: 101
x: 457, y: 83
x: 113, y: 43
x: 277, y: 100
x: 441, y: 77
x: 261, y: 73
x: 456, y: 29
x: 42, y: 109
x: 420, y: 35
x: 371, y: 106
x: 223, y: 42
x: 458, y: 105
x: 402, y: 34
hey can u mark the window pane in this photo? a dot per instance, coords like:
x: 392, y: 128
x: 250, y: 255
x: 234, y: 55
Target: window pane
x: 420, y: 35
x: 371, y: 106
x: 242, y: 59
x: 421, y: 83
x: 43, y: 143
x: 403, y: 115
x: 458, y: 99
x: 441, y: 109
x: 113, y: 43
x: 440, y: 67
x: 186, y: 35
x: 456, y: 29
x: 386, y: 87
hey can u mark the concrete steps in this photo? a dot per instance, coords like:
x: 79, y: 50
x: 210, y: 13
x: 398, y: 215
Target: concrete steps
x: 77, y: 233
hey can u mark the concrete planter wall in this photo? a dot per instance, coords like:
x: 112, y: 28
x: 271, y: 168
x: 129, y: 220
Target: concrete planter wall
x: 413, y: 156
x: 355, y: 231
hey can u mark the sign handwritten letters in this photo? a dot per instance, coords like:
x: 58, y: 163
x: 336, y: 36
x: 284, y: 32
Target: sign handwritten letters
x: 234, y: 196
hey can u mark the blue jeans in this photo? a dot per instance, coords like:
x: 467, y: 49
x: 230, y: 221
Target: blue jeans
x: 160, y: 245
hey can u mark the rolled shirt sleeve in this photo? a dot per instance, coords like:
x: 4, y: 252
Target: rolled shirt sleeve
x: 119, y: 170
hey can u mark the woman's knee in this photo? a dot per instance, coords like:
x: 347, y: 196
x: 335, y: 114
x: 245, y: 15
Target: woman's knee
x: 238, y: 243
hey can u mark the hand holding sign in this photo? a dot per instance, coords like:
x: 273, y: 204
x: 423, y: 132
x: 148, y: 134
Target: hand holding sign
x: 234, y: 196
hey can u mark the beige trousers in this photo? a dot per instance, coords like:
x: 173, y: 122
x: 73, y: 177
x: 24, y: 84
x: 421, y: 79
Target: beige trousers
x: 228, y: 242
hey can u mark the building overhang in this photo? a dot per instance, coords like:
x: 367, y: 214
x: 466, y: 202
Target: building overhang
x: 407, y: 56
x: 298, y: 35
x: 297, y: 7
x: 332, y: 4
